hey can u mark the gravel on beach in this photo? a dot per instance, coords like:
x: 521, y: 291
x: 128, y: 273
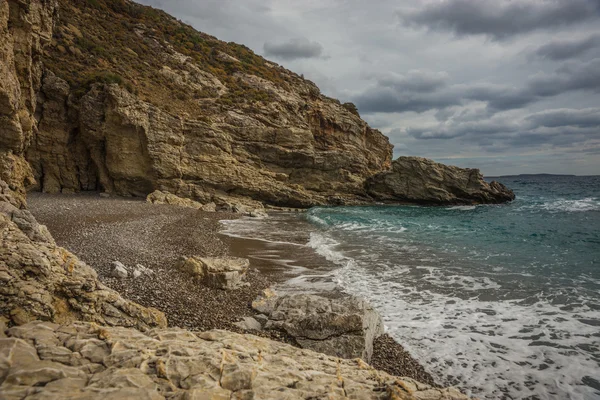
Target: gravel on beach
x: 390, y: 356
x: 100, y: 230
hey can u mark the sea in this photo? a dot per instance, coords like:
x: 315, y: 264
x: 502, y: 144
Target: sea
x: 502, y: 301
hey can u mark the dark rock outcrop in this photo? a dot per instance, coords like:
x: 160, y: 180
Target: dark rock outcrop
x: 423, y: 181
x: 343, y: 327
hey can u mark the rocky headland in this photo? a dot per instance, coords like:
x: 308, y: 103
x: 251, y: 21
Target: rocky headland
x: 110, y: 96
x: 113, y: 96
x: 423, y: 181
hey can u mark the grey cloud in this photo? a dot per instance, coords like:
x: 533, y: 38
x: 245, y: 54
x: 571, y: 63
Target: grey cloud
x: 293, y: 49
x: 456, y: 129
x: 571, y: 76
x: 567, y: 49
x: 557, y: 126
x: 416, y: 91
x: 498, y: 97
x: 389, y: 100
x: 415, y: 81
x: 584, y: 118
x: 400, y: 96
x: 500, y: 19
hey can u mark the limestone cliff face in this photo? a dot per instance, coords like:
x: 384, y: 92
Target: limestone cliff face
x: 25, y: 28
x: 423, y: 181
x: 130, y: 147
x: 199, y: 120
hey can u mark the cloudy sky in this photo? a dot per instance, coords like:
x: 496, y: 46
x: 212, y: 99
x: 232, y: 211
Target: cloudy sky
x: 508, y: 86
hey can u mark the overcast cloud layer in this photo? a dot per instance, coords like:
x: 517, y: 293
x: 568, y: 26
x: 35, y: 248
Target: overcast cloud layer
x: 508, y: 86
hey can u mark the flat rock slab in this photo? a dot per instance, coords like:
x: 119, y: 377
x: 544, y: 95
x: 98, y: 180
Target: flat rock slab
x: 43, y: 360
x: 217, y: 272
x: 344, y: 327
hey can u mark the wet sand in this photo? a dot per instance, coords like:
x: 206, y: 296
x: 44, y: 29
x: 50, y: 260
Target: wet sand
x: 102, y: 230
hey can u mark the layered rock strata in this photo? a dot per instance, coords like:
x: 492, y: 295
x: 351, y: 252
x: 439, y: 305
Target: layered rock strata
x: 85, y: 361
x: 114, y: 141
x: 200, y: 119
x: 423, y: 181
x: 344, y: 327
x: 217, y: 272
x: 25, y: 28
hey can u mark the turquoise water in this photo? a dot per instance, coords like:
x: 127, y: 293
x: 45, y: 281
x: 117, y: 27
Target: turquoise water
x: 503, y: 301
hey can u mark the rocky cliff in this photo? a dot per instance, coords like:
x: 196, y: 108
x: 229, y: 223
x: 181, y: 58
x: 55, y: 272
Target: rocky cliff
x: 25, y: 27
x: 114, y: 96
x: 134, y: 101
x: 423, y: 181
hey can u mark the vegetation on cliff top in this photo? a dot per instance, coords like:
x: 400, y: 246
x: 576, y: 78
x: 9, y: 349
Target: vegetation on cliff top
x: 119, y: 41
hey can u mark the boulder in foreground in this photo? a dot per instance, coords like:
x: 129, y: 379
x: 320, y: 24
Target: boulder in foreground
x: 343, y: 327
x: 159, y: 197
x: 422, y: 181
x: 84, y: 361
x: 217, y: 272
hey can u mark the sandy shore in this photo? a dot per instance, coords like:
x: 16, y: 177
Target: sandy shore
x: 102, y: 230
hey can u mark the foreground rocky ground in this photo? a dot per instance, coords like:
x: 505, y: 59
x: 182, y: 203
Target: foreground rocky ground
x: 85, y: 361
x: 121, y: 354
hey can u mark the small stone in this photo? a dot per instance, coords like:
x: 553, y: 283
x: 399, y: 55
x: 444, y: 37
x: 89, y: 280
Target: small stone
x: 249, y: 324
x: 140, y: 270
x: 217, y: 272
x: 209, y: 207
x: 261, y: 318
x: 258, y: 213
x: 105, y: 194
x: 118, y: 270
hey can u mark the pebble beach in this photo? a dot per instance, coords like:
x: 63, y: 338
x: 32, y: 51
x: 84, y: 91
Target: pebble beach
x: 101, y: 230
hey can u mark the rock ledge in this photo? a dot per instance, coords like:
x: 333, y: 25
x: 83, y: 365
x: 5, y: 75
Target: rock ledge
x: 42, y: 360
x: 423, y: 181
x: 343, y: 327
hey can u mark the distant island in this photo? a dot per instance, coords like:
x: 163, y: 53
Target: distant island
x: 529, y: 176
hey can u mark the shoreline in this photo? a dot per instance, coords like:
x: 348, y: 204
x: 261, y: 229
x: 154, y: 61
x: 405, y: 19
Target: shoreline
x: 101, y: 230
